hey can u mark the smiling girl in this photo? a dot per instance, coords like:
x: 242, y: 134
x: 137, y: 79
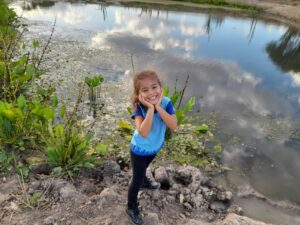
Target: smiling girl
x: 153, y: 113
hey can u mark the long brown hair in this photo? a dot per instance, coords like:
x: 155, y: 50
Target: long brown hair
x: 139, y: 76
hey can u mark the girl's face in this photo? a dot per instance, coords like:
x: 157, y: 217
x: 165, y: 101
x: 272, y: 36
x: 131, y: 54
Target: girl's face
x: 150, y: 90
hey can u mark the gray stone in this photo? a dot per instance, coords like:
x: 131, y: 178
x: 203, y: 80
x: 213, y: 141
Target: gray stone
x: 197, y: 201
x: 49, y: 220
x: 111, y: 168
x: 161, y: 176
x: 152, y: 219
x: 183, y: 176
x: 218, y: 206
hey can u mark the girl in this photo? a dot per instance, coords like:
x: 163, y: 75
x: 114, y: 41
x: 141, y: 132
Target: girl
x: 152, y: 114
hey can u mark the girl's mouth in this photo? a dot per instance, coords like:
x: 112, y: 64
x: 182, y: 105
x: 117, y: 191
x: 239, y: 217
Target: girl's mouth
x: 153, y: 98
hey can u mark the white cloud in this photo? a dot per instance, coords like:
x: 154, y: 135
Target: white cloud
x: 158, y: 33
x: 295, y: 77
x: 68, y: 13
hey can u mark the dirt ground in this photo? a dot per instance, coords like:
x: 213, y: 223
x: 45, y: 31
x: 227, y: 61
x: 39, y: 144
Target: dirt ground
x: 286, y: 11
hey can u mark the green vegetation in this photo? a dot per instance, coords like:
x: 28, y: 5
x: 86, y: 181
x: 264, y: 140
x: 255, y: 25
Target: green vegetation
x: 224, y: 3
x: 6, y: 160
x: 67, y: 148
x: 23, y: 122
x: 30, y: 119
x: 93, y: 83
x: 176, y: 98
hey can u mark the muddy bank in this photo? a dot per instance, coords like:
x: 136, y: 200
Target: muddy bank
x: 98, y: 196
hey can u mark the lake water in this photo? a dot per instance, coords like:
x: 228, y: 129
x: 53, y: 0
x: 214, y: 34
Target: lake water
x: 245, y: 73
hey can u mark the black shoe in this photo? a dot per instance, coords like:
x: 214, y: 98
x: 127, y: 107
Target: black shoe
x: 134, y: 216
x: 150, y: 185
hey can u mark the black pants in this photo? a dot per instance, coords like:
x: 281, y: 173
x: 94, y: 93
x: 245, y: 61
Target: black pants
x: 139, y: 166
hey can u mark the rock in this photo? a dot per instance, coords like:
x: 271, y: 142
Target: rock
x: 61, y: 189
x: 43, y: 168
x: 195, y: 222
x: 224, y: 195
x: 181, y: 198
x: 161, y: 176
x: 218, y: 206
x: 152, y: 219
x: 235, y: 209
x: 68, y: 192
x: 107, y: 196
x: 197, y: 201
x: 233, y: 219
x: 188, y: 206
x: 88, y: 187
x: 13, y: 207
x: 183, y: 176
x: 195, y: 187
x: 111, y: 168
x: 49, y: 220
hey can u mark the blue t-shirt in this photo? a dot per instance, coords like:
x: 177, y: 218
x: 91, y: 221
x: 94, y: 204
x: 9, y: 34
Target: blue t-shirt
x: 154, y: 141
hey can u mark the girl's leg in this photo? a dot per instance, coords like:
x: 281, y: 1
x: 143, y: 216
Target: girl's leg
x: 149, y: 160
x: 139, y: 166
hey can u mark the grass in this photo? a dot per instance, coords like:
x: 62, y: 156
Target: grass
x: 224, y: 3
x: 208, y: 5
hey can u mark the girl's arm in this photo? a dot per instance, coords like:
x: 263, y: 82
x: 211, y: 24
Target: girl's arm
x: 169, y: 120
x: 143, y: 126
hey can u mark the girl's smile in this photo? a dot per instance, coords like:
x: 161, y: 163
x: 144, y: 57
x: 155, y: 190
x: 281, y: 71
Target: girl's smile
x: 150, y: 90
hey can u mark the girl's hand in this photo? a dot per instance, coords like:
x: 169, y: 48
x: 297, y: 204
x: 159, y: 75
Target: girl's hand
x: 145, y: 102
x: 159, y: 101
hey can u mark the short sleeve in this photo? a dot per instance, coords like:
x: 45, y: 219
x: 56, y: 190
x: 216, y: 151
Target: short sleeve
x: 138, y: 112
x: 170, y: 108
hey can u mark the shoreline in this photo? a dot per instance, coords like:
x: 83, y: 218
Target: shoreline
x: 287, y: 13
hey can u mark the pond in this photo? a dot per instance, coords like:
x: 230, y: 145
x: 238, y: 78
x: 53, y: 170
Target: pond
x: 245, y: 73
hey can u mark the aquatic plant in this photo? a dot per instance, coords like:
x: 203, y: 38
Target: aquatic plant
x: 94, y: 90
x: 93, y: 83
x: 176, y: 98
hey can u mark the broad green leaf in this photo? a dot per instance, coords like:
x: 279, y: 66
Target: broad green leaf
x: 101, y: 149
x: 34, y: 160
x: 22, y: 60
x: 59, y: 130
x: 90, y: 151
x: 58, y: 170
x: 165, y: 91
x: 25, y: 78
x: 202, y: 128
x: 21, y: 102
x: 55, y: 101
x: 9, y: 114
x: 124, y: 125
x: 181, y: 118
x: 175, y: 96
x: 190, y: 104
x: 30, y: 70
x: 217, y: 148
x: 35, y: 43
x: 129, y: 111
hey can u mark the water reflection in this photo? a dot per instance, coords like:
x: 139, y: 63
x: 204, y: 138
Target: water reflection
x: 286, y: 51
x: 34, y: 5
